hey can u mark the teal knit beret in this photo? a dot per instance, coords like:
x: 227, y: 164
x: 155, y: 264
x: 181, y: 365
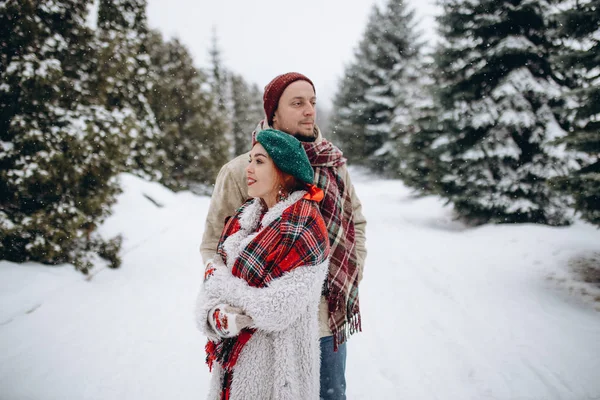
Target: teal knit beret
x: 287, y: 153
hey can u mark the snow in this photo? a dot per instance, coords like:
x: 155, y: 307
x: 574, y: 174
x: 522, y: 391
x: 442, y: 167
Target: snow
x: 511, y: 42
x: 387, y: 148
x: 514, y: 118
x: 485, y: 113
x: 52, y: 7
x: 440, y: 141
x: 520, y: 81
x: 5, y: 222
x: 473, y: 153
x: 54, y: 43
x: 522, y: 205
x: 6, y: 146
x: 47, y: 66
x: 378, y: 99
x: 448, y: 312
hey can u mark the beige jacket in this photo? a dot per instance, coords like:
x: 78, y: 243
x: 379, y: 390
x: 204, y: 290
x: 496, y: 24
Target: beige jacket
x: 231, y: 191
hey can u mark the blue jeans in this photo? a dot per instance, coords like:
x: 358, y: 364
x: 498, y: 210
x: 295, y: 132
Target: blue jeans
x: 333, y: 370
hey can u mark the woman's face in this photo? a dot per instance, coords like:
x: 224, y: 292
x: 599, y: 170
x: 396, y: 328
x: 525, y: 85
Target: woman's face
x: 261, y: 176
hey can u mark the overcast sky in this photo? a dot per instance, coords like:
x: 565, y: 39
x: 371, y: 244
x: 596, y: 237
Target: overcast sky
x: 260, y: 39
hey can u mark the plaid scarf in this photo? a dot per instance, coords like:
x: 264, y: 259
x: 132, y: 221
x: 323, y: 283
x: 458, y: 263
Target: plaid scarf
x: 296, y: 238
x: 336, y: 208
x: 341, y: 288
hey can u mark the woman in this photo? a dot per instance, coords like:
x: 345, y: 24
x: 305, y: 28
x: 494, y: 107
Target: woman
x: 259, y: 302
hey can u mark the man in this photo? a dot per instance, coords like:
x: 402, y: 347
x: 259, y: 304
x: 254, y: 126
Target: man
x: 289, y: 101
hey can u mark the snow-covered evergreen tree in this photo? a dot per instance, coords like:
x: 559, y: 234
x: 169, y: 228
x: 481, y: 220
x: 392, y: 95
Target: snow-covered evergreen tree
x: 183, y: 103
x: 407, y: 80
x: 348, y: 120
x: 59, y: 149
x: 125, y: 81
x: 247, y: 112
x: 498, y: 93
x: 580, y: 32
x: 416, y: 156
x: 220, y: 81
x: 373, y: 105
x: 237, y: 102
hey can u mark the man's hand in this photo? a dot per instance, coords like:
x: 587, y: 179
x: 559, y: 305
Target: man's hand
x: 228, y: 321
x: 212, y: 265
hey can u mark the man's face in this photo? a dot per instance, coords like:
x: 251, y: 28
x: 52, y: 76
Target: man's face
x: 296, y: 111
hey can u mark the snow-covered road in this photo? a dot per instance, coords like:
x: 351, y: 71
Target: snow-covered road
x: 448, y: 312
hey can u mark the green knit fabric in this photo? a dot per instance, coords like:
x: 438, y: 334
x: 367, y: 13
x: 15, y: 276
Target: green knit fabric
x: 287, y: 153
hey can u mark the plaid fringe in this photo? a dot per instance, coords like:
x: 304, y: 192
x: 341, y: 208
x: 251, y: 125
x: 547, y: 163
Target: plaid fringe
x: 346, y: 330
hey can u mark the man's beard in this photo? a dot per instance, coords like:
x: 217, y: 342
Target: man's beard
x: 306, y: 137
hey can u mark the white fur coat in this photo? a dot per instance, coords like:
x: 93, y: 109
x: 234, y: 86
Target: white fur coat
x: 281, y: 360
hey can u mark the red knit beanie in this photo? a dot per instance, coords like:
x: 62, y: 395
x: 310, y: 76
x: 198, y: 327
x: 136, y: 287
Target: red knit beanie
x: 275, y: 88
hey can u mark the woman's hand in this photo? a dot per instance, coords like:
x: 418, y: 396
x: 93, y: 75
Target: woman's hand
x: 228, y: 321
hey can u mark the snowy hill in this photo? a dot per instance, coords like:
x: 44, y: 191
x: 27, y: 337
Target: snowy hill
x: 449, y: 312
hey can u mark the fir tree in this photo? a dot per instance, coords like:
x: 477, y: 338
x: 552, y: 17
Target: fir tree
x: 348, y: 120
x: 237, y: 102
x: 182, y: 102
x: 220, y: 81
x: 59, y: 149
x: 416, y: 155
x: 581, y: 39
x: 247, y: 112
x: 125, y: 81
x: 498, y: 93
x: 374, y: 101
x: 219, y: 75
x: 407, y: 80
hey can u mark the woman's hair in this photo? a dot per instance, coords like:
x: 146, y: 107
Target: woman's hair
x: 289, y: 182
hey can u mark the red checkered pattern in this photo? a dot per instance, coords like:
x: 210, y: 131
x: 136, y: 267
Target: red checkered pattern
x: 297, y: 238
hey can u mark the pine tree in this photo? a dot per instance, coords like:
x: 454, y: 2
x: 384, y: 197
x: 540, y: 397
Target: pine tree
x: 59, y: 149
x: 348, y: 119
x: 363, y: 108
x: 407, y: 80
x: 581, y: 35
x: 498, y: 93
x: 219, y: 75
x: 237, y: 102
x: 247, y: 112
x: 220, y: 81
x: 180, y: 99
x: 125, y: 80
x: 373, y: 104
x: 416, y: 155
